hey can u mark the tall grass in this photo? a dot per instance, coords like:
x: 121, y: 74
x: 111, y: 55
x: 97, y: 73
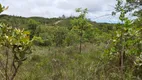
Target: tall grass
x: 65, y: 63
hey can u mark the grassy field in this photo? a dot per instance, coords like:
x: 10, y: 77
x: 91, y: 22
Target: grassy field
x: 66, y: 63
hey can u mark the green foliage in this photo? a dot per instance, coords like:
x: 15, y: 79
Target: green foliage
x: 109, y: 51
x: 81, y: 24
x: 2, y: 8
x: 32, y: 25
x: 126, y: 42
x: 46, y: 33
x: 60, y: 35
x: 17, y: 45
x: 71, y: 38
x: 52, y: 35
x: 14, y: 37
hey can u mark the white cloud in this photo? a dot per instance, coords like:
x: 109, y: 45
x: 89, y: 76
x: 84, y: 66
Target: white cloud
x: 55, y: 8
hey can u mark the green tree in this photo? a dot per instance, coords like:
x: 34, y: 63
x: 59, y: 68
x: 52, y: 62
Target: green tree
x: 15, y: 45
x: 71, y: 38
x: 81, y: 24
x: 127, y: 40
x: 129, y: 6
x: 60, y: 34
x: 32, y: 25
x: 47, y: 35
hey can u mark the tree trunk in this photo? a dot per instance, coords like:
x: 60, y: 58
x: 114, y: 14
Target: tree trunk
x: 122, y: 52
x: 6, y: 64
x: 80, y: 49
x: 122, y: 65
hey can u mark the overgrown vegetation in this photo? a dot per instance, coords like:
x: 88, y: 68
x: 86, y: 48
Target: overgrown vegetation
x: 72, y: 48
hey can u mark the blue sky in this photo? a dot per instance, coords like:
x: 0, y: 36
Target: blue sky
x: 99, y: 10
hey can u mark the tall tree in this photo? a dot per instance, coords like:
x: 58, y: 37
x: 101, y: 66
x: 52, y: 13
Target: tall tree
x: 127, y: 37
x: 81, y: 24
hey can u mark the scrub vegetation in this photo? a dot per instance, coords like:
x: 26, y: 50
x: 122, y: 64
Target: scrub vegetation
x: 72, y: 48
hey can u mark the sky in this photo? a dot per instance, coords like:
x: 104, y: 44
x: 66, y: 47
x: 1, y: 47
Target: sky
x: 99, y: 10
